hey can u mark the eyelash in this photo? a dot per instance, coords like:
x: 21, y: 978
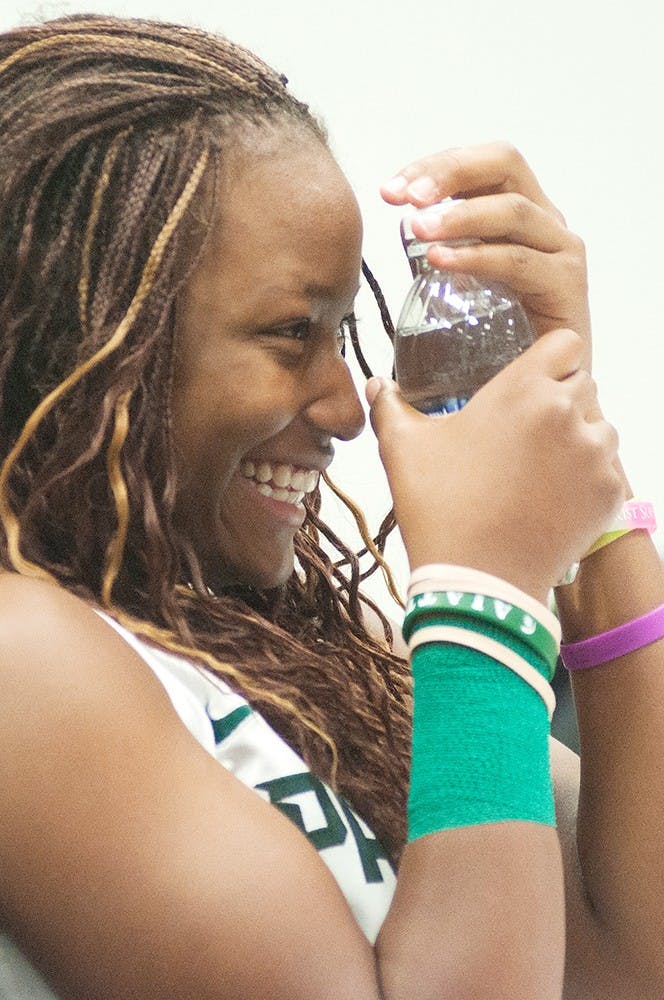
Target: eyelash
x: 300, y: 331
x: 343, y: 333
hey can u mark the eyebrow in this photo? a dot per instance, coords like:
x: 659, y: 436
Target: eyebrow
x: 313, y: 291
x: 321, y: 291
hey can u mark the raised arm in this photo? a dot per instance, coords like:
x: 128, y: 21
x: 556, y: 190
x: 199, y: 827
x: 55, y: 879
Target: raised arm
x: 616, y: 890
x: 134, y: 865
x: 499, y: 892
x: 613, y: 859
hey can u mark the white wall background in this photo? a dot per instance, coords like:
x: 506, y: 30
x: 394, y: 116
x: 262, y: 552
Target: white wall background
x: 576, y: 84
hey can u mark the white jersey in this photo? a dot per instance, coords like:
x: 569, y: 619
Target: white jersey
x: 242, y: 741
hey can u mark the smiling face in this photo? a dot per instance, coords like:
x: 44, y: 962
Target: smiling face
x: 260, y: 387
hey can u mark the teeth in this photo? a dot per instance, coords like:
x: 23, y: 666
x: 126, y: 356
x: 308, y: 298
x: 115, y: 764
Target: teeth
x: 283, y: 479
x: 286, y: 496
x: 311, y: 481
x: 281, y: 476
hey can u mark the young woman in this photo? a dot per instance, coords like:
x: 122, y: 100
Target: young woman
x: 205, y: 729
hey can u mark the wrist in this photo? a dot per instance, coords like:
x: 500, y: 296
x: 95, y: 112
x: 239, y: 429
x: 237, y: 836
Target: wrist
x: 480, y: 744
x: 520, y: 572
x: 599, y: 600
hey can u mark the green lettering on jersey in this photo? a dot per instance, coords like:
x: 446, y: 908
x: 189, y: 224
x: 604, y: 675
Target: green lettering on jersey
x: 296, y: 784
x: 369, y: 848
x: 224, y: 727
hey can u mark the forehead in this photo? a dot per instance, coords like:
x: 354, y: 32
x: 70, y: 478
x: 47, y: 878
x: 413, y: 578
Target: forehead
x: 284, y: 210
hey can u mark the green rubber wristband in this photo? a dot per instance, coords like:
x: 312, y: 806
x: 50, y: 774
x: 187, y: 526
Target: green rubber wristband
x: 494, y: 632
x: 484, y: 611
x: 480, y: 744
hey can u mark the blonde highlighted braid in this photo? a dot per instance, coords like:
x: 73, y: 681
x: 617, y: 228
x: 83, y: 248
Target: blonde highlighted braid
x: 111, y: 131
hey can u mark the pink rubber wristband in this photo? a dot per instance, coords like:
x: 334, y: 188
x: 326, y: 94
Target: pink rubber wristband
x: 616, y: 642
x: 636, y: 514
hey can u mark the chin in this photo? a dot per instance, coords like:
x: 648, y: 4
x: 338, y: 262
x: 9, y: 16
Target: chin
x: 263, y: 576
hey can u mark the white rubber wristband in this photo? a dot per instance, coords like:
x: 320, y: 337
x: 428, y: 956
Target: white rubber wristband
x: 441, y: 576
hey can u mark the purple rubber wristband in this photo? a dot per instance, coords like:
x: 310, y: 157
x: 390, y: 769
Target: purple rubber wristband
x: 616, y: 642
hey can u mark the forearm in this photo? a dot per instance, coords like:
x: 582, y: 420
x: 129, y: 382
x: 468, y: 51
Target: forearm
x: 478, y: 912
x: 620, y: 708
x: 479, y: 908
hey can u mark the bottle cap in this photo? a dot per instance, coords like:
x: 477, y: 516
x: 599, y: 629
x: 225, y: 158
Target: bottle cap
x: 416, y: 247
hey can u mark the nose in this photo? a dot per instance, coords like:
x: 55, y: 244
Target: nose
x: 335, y: 407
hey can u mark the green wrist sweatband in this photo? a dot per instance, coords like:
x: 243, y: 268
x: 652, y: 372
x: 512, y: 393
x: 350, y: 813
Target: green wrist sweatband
x: 480, y: 742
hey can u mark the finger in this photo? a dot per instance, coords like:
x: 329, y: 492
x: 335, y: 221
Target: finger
x: 582, y: 389
x: 581, y: 385
x: 603, y: 445
x: 383, y: 398
x: 508, y: 218
x: 389, y: 413
x: 532, y: 272
x: 557, y: 354
x: 467, y: 170
x: 607, y: 438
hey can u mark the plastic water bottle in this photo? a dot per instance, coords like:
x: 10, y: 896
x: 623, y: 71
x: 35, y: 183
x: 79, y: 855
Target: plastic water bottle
x: 455, y: 331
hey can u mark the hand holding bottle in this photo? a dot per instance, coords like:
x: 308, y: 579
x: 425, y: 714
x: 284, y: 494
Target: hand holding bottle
x: 518, y: 482
x: 524, y: 240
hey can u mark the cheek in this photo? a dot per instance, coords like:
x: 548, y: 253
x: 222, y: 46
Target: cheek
x: 228, y: 399
x: 230, y: 392
x: 212, y: 436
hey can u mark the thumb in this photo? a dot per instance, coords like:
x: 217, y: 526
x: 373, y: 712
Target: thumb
x: 375, y: 385
x: 391, y: 416
x: 385, y: 401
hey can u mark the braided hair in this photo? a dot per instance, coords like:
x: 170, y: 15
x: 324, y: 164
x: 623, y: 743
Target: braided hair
x: 111, y: 128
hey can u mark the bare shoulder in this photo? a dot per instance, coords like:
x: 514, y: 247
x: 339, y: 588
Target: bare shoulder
x: 33, y: 611
x: 54, y: 646
x: 28, y: 606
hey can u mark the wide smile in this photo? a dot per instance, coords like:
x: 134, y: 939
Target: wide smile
x: 285, y: 483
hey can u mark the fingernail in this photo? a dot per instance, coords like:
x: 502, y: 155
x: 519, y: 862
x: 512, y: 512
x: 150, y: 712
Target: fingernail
x: 373, y: 387
x: 428, y: 224
x: 445, y: 252
x: 395, y: 185
x: 423, y: 189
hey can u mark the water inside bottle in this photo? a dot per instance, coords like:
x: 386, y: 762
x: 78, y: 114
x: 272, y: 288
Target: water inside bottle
x: 440, y: 367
